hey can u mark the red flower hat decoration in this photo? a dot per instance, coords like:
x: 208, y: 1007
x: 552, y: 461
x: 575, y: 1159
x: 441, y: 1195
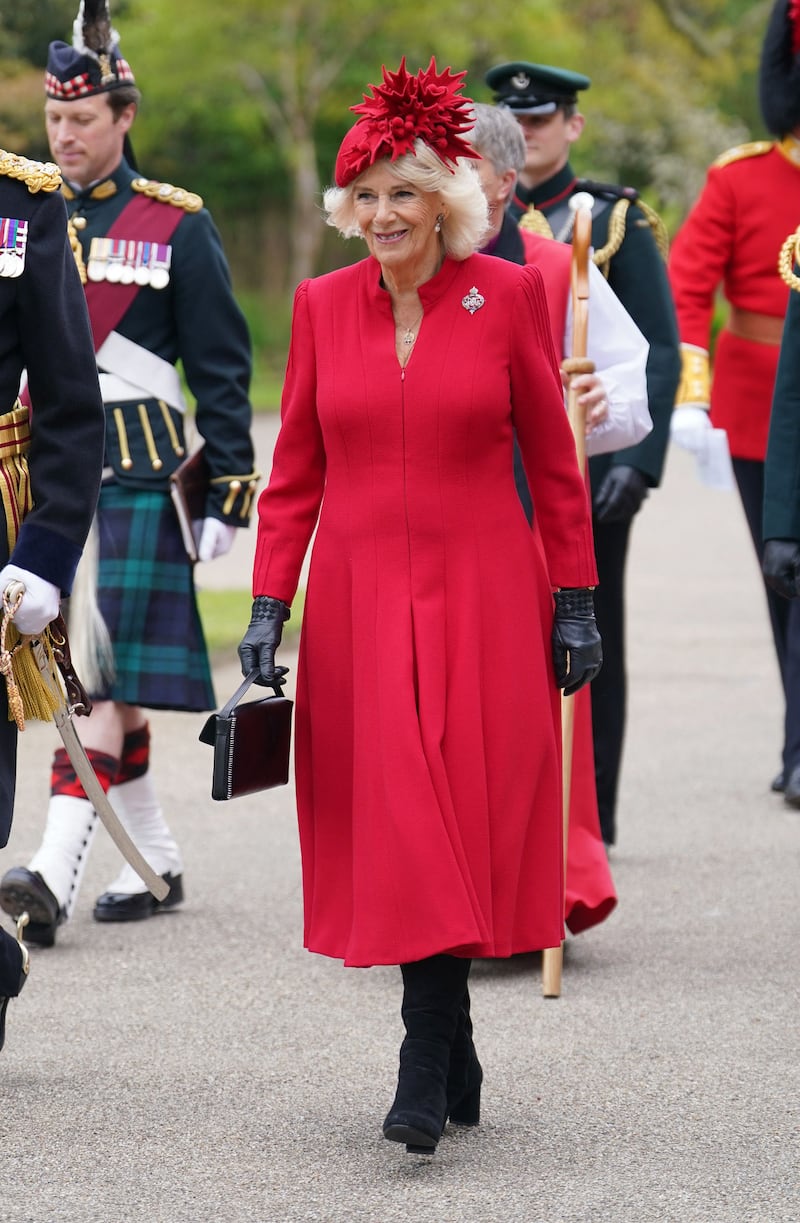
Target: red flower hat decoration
x: 403, y: 109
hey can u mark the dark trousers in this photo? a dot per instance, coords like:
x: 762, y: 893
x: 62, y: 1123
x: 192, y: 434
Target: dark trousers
x: 609, y: 689
x: 784, y: 614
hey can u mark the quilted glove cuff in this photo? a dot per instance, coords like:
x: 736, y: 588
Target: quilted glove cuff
x: 267, y: 608
x: 576, y: 602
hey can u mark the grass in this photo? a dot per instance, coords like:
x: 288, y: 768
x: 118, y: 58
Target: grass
x: 226, y: 614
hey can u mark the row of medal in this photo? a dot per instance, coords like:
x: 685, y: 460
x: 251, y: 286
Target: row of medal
x: 13, y: 240
x: 120, y: 261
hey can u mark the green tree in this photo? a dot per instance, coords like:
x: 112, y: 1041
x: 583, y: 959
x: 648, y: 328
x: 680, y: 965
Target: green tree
x: 247, y: 101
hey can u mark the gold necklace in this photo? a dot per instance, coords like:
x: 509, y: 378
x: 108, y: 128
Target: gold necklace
x: 410, y: 334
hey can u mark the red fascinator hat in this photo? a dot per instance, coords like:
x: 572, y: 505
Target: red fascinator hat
x: 403, y: 109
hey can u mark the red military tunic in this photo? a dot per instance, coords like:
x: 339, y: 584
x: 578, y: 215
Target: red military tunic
x: 732, y: 237
x: 428, y: 740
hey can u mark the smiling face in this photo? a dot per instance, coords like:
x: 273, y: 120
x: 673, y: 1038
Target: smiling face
x: 85, y: 137
x: 398, y: 221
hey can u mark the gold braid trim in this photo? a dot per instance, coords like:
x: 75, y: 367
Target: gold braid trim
x: 789, y: 256
x: 246, y: 485
x: 536, y: 223
x: 15, y: 484
x: 658, y: 227
x: 36, y: 175
x: 28, y: 691
x: 615, y: 235
x: 73, y: 225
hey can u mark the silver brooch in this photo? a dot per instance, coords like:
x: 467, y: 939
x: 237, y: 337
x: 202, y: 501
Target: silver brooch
x: 473, y: 300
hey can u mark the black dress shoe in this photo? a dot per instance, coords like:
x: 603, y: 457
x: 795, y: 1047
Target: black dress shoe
x: 24, y: 891
x: 121, y: 906
x: 15, y: 961
x: 778, y: 783
x: 791, y: 791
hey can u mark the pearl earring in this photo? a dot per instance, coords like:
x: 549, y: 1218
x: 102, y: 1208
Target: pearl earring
x: 438, y: 225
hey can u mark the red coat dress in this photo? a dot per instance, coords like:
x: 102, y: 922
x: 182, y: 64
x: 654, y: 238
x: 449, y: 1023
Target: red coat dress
x: 732, y: 239
x: 429, y: 813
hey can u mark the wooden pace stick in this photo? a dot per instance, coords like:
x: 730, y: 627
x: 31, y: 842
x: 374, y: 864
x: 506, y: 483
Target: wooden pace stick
x: 577, y: 363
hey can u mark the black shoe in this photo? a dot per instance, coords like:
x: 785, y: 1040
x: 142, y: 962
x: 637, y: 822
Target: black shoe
x: 419, y: 1111
x: 778, y: 783
x: 24, y: 891
x: 465, y: 1073
x: 121, y: 906
x: 791, y: 791
x: 15, y: 978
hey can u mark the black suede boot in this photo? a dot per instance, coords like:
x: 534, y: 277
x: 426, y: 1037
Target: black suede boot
x: 13, y: 970
x: 466, y: 1073
x: 433, y: 992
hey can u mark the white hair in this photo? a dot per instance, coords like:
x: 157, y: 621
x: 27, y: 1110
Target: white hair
x: 466, y: 221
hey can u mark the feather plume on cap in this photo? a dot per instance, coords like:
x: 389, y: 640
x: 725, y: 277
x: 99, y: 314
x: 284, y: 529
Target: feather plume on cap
x: 92, y: 63
x: 92, y: 32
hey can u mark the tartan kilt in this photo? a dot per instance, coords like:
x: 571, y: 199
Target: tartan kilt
x: 146, y: 594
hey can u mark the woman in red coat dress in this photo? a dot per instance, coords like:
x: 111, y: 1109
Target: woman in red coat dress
x: 430, y: 823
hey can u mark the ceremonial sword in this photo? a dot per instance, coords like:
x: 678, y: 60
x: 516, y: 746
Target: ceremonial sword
x: 73, y: 700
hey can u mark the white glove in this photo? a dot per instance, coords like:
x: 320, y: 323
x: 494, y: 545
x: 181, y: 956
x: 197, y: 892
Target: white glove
x: 214, y: 538
x: 689, y: 428
x: 40, y: 603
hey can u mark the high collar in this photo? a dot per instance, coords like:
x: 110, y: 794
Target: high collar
x: 549, y: 193
x: 790, y: 148
x: 122, y: 177
x: 430, y: 291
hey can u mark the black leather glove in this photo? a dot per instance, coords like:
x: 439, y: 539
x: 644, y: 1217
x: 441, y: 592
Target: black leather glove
x: 258, y: 646
x: 577, y: 648
x: 781, y: 566
x: 620, y: 494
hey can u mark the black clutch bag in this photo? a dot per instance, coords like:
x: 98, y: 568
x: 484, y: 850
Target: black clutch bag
x: 250, y: 742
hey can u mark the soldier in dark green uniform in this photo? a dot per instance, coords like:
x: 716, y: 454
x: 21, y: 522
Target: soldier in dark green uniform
x: 158, y: 291
x: 50, y: 462
x: 629, y: 245
x: 781, y: 558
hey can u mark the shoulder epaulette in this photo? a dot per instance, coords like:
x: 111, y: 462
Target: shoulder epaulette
x: 755, y: 148
x: 36, y: 175
x: 608, y: 191
x: 165, y: 193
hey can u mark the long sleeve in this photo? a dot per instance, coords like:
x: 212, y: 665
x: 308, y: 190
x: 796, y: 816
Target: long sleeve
x: 289, y: 506
x: 638, y: 276
x: 545, y: 440
x: 67, y: 423
x: 214, y: 347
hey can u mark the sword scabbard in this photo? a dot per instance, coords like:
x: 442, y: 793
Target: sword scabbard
x: 77, y: 696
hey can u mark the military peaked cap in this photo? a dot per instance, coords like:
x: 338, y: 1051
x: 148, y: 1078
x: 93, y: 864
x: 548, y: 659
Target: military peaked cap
x: 534, y: 89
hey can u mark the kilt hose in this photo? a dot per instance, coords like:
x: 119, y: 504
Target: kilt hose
x: 147, y: 598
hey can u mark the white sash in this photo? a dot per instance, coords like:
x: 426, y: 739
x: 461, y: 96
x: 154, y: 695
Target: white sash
x: 128, y: 371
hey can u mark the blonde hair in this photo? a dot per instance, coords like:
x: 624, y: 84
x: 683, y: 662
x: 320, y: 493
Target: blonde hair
x: 466, y: 221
